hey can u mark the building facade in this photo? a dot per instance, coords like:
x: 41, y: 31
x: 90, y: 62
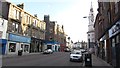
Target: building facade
x: 24, y: 31
x: 107, y: 34
x: 55, y: 36
x: 15, y: 35
x: 61, y: 37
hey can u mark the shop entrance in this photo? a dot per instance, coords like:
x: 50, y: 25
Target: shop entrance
x: 25, y: 48
x: 49, y: 46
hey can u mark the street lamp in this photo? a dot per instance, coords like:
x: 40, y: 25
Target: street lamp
x: 88, y: 46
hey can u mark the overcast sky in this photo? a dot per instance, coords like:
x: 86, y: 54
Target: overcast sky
x: 69, y: 13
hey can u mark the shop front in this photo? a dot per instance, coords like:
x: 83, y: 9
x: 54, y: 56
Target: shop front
x: 17, y: 42
x: 52, y: 45
x: 37, y: 45
x: 104, y: 47
x: 114, y: 35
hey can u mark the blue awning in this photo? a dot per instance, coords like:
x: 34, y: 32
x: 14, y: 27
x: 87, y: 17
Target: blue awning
x: 3, y: 41
x: 51, y: 42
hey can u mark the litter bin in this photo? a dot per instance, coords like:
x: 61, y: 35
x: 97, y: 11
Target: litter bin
x: 87, y: 60
x: 19, y: 52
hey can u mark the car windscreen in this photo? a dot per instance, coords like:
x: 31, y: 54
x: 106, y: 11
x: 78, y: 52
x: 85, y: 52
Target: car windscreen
x: 75, y: 53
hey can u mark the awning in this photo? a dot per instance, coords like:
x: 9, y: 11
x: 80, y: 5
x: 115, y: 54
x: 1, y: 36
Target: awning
x: 51, y: 42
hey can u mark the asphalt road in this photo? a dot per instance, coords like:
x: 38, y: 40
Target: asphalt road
x: 55, y: 59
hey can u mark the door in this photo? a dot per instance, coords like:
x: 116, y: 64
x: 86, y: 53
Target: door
x: 25, y: 48
x: 49, y: 46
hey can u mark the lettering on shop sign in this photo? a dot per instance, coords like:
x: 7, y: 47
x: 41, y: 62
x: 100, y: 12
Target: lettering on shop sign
x: 116, y: 28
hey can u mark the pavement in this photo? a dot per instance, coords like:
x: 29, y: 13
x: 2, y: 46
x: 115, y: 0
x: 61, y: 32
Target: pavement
x: 15, y: 55
x: 96, y: 61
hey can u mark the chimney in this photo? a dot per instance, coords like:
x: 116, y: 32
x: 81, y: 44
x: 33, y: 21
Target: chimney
x: 35, y: 15
x: 21, y: 5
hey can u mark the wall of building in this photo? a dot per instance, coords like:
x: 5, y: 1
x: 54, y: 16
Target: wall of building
x: 106, y: 19
x: 3, y: 28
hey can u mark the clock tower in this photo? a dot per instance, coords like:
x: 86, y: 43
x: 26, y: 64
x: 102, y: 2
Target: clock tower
x: 91, y: 32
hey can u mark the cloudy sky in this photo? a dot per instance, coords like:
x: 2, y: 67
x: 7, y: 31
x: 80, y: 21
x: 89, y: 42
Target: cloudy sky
x: 69, y: 13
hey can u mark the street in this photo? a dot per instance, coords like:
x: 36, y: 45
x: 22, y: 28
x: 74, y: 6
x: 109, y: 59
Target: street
x: 55, y: 59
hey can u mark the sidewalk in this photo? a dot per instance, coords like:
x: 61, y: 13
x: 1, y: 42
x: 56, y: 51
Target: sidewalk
x: 96, y: 61
x: 16, y: 55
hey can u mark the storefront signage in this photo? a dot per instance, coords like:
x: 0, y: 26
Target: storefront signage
x: 115, y: 29
x: 17, y: 38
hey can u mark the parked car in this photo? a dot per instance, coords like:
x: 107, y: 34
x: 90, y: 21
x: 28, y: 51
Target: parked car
x: 76, y: 55
x: 48, y: 51
x: 67, y: 50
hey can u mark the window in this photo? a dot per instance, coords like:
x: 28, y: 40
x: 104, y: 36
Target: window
x: 29, y: 20
x: 26, y: 48
x: 19, y: 15
x: 26, y: 18
x: 15, y: 13
x: 108, y: 13
x: 116, y: 7
x: 51, y: 30
x: 35, y: 23
x: 113, y: 42
x: 12, y: 47
x: 117, y: 39
x: 88, y: 34
x: 15, y: 27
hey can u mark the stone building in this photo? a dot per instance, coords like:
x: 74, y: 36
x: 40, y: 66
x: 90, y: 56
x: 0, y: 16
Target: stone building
x: 23, y: 29
x: 107, y: 32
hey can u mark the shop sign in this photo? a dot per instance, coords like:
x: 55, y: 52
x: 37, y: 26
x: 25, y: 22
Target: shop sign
x: 17, y: 38
x: 115, y: 29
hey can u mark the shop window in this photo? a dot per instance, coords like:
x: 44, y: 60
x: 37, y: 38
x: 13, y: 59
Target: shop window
x: 113, y: 42
x: 12, y: 47
x: 117, y: 39
x: 26, y: 48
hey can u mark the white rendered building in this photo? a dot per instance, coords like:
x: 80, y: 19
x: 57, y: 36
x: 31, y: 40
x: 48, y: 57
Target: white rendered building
x: 91, y: 31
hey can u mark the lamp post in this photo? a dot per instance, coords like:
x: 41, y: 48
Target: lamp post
x: 88, y: 46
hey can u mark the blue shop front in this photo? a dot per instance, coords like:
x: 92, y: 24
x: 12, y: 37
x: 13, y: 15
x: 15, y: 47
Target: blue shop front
x: 17, y: 42
x: 3, y: 43
x: 52, y: 45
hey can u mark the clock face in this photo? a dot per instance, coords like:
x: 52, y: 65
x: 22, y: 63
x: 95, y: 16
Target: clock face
x: 92, y: 20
